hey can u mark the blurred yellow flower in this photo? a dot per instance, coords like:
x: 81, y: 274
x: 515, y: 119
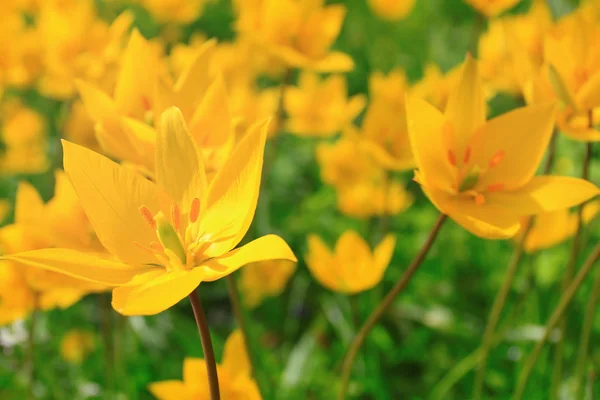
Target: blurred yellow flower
x: 299, y: 32
x: 492, y: 8
x: 265, y: 279
x: 376, y: 198
x: 78, y: 127
x: 4, y: 209
x: 174, y: 11
x: 352, y: 267
x: 435, y: 86
x: 170, y: 235
x: 24, y: 136
x: 320, y: 107
x: 392, y: 10
x: 482, y: 173
x: 76, y: 345
x: 235, y: 380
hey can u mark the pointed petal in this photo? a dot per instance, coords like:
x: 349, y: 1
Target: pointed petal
x: 29, y: 206
x: 98, y: 104
x: 269, y: 247
x: 233, y: 193
x: 333, y: 62
x: 193, y: 369
x: 588, y: 96
x: 211, y: 123
x: 235, y: 356
x: 322, y: 264
x: 179, y: 168
x: 384, y: 251
x: 111, y: 196
x: 157, y: 291
x: 79, y: 265
x: 169, y: 390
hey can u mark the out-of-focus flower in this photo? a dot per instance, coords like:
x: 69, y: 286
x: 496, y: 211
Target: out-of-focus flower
x: 235, y: 380
x: 482, y: 173
x: 435, y: 86
x: 352, y: 267
x: 23, y: 134
x: 572, y: 76
x: 78, y: 127
x: 320, y: 107
x: 174, y: 11
x: 492, y: 8
x: 76, y: 345
x: 170, y: 235
x: 376, y: 198
x: 4, y: 209
x: 265, y: 279
x: 392, y: 10
x: 512, y: 48
x: 299, y: 32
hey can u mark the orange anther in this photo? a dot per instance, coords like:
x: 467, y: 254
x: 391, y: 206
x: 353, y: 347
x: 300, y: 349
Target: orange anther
x: 146, y: 103
x: 479, y: 199
x: 496, y: 158
x: 194, y: 209
x: 496, y: 187
x: 176, y: 216
x: 467, y: 155
x: 452, y: 157
x: 148, y: 217
x: 157, y: 247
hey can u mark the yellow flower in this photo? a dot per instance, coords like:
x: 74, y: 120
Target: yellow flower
x: 299, y: 32
x: 435, y: 86
x: 376, y: 198
x: 392, y: 10
x: 23, y: 133
x: 482, y: 173
x: 492, y: 8
x: 235, y: 380
x: 352, y: 267
x: 170, y: 235
x: 79, y: 127
x: 320, y: 107
x: 265, y: 279
x: 174, y: 11
x: 76, y: 345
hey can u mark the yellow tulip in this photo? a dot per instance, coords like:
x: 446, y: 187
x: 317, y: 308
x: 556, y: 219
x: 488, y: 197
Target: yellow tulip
x: 79, y: 127
x: 435, y: 86
x: 376, y: 198
x: 299, y: 32
x: 392, y: 10
x: 76, y: 345
x: 352, y: 267
x: 170, y: 235
x: 235, y: 378
x: 492, y: 8
x: 174, y: 11
x: 481, y: 173
x: 265, y: 279
x: 320, y: 107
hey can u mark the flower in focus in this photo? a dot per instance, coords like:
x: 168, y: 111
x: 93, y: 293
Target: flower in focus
x: 299, y: 32
x: 265, y: 279
x: 235, y: 380
x: 492, y: 8
x: 320, y: 107
x: 170, y: 235
x: 482, y: 173
x: 174, y: 11
x: 76, y: 345
x: 392, y: 10
x: 351, y: 267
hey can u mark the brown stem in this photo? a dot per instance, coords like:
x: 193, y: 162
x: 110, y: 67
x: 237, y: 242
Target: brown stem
x: 383, y: 305
x: 209, y: 354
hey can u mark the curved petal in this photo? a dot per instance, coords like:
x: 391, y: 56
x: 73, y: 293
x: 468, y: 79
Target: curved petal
x: 588, y: 96
x: 383, y: 252
x: 157, y: 291
x: 385, y: 159
x: 169, y: 390
x: 322, y: 264
x: 235, y: 356
x: 522, y: 137
x: 111, y: 196
x: 233, y: 193
x: 29, y: 206
x: 334, y: 61
x: 194, y: 370
x: 211, y: 123
x: 269, y: 247
x: 79, y: 265
x: 98, y: 104
x: 179, y: 167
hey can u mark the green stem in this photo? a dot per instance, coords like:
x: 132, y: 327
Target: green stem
x: 557, y: 314
x: 568, y: 276
x: 31, y: 345
x: 209, y: 354
x: 382, y: 307
x: 107, y: 338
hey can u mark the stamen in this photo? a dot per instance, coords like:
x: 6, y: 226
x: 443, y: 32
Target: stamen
x: 452, y: 158
x: 479, y: 199
x: 141, y: 246
x: 467, y: 155
x: 148, y: 217
x: 176, y: 216
x: 496, y: 158
x: 496, y: 187
x: 194, y: 209
x: 146, y: 103
x: 157, y: 247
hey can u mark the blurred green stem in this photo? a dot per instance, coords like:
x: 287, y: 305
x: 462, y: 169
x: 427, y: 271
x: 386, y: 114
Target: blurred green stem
x: 478, y: 26
x: 557, y: 314
x: 383, y: 305
x: 568, y: 276
x: 104, y: 303
x: 31, y: 345
x: 209, y: 354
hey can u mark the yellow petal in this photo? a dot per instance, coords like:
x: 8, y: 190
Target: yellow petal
x: 235, y: 356
x: 179, y: 168
x: 170, y: 390
x: 79, y: 265
x: 321, y: 263
x: 269, y: 247
x: 384, y: 251
x: 211, y: 123
x: 466, y: 106
x: 111, y: 196
x: 522, y: 136
x: 545, y: 194
x: 29, y: 206
x: 588, y: 96
x: 333, y: 62
x: 233, y: 193
x: 157, y: 291
x: 194, y: 373
x: 98, y: 104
